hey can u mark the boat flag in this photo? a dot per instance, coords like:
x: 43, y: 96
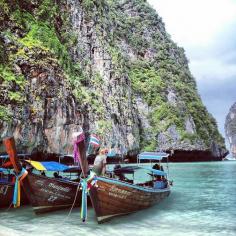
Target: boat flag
x: 94, y: 144
x: 94, y: 140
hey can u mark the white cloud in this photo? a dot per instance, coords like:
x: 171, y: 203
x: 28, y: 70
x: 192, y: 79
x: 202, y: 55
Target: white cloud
x: 212, y: 68
x: 195, y: 22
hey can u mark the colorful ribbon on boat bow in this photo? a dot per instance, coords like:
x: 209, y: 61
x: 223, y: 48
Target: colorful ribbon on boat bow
x: 84, y: 199
x: 19, y: 178
x: 86, y: 185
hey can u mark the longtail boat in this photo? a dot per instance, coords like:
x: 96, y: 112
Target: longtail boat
x: 112, y: 197
x: 45, y: 194
x: 7, y: 183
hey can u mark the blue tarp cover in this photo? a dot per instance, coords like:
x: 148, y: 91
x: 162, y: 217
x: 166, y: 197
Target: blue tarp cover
x: 53, y: 166
x: 152, y: 155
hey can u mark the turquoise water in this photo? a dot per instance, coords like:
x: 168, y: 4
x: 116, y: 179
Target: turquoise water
x: 202, y: 202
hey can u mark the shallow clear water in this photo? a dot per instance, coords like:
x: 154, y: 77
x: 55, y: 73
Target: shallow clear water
x: 202, y: 202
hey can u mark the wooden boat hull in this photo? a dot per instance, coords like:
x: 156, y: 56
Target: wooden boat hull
x: 111, y: 198
x: 6, y: 195
x: 50, y: 194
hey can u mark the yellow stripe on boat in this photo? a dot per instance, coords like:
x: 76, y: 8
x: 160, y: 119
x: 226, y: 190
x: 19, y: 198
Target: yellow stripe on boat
x: 37, y: 165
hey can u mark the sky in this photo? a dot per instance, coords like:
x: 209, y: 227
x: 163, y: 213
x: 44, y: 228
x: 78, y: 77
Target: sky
x: 206, y: 29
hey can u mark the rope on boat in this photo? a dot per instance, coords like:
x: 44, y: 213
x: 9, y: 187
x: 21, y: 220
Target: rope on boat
x: 76, y: 194
x: 8, y: 208
x: 17, y: 189
x: 84, y: 184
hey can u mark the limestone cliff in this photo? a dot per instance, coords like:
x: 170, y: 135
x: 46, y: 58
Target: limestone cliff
x: 230, y: 129
x: 107, y: 66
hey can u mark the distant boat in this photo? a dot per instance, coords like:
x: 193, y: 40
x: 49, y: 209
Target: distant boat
x: 112, y: 197
x: 44, y: 193
x: 229, y: 159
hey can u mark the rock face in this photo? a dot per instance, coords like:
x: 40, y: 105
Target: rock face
x: 106, y: 66
x: 230, y: 129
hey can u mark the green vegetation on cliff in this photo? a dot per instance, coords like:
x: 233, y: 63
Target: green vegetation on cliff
x: 36, y: 42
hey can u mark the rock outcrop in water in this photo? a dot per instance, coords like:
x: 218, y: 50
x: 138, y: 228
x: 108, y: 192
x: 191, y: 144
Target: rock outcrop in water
x: 230, y: 129
x: 106, y: 66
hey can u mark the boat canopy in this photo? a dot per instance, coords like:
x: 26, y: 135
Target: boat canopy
x: 19, y: 155
x: 132, y: 169
x: 3, y: 156
x: 126, y: 170
x: 47, y: 165
x: 155, y: 172
x: 152, y: 155
x: 66, y: 155
x: 73, y: 169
